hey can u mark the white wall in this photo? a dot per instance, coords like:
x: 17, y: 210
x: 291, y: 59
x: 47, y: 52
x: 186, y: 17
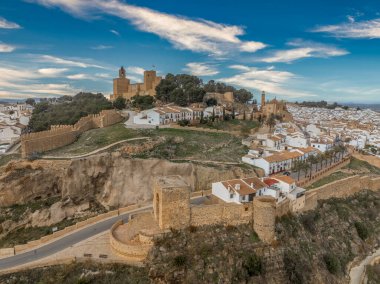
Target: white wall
x: 223, y: 193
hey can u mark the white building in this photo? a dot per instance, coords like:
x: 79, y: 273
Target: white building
x: 323, y: 144
x: 237, y: 190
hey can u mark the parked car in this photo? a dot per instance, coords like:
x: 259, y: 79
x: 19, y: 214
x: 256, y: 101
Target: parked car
x: 286, y: 173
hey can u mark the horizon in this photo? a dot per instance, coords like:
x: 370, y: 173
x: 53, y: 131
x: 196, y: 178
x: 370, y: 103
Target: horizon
x: 297, y: 52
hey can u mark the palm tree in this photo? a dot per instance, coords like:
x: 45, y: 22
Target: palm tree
x: 312, y: 160
x: 305, y: 167
x: 297, y: 167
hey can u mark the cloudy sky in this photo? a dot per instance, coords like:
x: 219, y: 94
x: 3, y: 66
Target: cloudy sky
x: 295, y: 50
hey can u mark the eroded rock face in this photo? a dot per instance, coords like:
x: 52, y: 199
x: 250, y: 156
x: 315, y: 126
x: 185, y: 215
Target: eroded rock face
x: 116, y: 181
x: 24, y: 181
x: 110, y: 179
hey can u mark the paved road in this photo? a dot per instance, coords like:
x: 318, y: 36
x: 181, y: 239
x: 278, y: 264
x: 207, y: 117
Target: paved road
x: 69, y: 240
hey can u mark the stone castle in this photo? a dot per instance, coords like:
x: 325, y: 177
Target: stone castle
x: 172, y: 210
x: 274, y: 107
x: 123, y: 88
x: 62, y: 135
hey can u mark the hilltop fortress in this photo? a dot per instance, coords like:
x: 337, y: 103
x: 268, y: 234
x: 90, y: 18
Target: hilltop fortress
x: 172, y: 210
x: 62, y: 135
x: 123, y: 88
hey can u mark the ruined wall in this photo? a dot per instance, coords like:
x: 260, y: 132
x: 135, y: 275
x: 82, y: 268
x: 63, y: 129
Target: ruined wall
x: 62, y: 135
x: 264, y: 217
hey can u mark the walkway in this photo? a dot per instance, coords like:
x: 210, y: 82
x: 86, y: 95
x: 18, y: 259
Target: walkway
x: 356, y: 273
x: 95, y: 151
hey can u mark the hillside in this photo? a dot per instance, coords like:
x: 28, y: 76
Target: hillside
x: 315, y: 247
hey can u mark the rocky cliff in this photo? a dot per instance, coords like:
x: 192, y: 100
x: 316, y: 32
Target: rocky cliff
x: 110, y: 179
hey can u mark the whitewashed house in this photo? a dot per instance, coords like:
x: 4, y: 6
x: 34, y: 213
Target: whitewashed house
x: 237, y: 190
x: 323, y: 144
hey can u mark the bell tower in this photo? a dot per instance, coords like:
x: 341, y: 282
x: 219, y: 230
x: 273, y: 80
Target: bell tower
x: 263, y: 99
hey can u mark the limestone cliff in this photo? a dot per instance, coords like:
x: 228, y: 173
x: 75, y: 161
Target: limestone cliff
x: 110, y: 179
x: 116, y: 181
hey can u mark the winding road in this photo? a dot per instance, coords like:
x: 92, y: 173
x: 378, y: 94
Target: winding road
x: 71, y: 239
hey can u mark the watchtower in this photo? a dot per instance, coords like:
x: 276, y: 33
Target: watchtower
x: 264, y: 217
x: 171, y: 202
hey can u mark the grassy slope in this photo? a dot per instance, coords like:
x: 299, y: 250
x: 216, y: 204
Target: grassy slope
x: 333, y: 177
x: 196, y: 144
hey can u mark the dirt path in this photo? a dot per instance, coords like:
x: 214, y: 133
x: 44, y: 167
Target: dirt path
x: 95, y: 151
x: 356, y: 273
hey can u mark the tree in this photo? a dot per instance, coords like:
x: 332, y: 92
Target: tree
x: 244, y: 115
x: 271, y: 121
x: 119, y: 103
x: 30, y: 101
x: 142, y: 102
x: 233, y: 113
x: 242, y: 96
x: 211, y: 102
x: 297, y: 167
x: 46, y: 113
x: 312, y: 160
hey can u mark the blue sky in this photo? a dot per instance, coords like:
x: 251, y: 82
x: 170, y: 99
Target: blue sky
x: 295, y: 50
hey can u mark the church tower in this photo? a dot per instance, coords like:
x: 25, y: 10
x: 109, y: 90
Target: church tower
x: 263, y: 99
x: 121, y: 84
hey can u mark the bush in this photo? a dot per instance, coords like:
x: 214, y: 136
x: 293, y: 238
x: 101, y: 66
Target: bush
x: 180, y: 260
x: 184, y: 122
x: 119, y: 103
x: 253, y: 265
x: 332, y: 263
x: 362, y: 230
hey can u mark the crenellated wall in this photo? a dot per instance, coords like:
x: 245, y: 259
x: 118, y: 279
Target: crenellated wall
x: 62, y: 135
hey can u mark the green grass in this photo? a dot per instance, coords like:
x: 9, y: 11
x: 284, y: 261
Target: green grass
x: 244, y: 126
x: 359, y: 165
x: 196, y: 145
x: 7, y: 158
x: 328, y: 179
x: 97, y: 138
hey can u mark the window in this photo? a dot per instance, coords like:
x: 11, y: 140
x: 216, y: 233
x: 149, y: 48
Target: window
x: 231, y: 195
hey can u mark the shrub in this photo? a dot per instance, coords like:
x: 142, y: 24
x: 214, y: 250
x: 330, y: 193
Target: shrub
x: 362, y: 230
x: 184, y: 122
x: 332, y: 263
x: 253, y: 265
x: 180, y: 260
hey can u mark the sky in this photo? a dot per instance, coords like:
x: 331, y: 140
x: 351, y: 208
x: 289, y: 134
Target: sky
x: 294, y: 50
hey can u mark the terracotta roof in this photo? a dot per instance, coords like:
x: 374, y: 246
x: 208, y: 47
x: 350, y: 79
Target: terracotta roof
x: 270, y: 181
x: 244, y: 189
x: 254, y: 182
x: 284, y: 178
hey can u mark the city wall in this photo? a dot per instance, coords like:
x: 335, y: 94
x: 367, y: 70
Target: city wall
x: 62, y: 135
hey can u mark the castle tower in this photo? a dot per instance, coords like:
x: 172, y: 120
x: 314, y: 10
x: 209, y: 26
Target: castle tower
x: 171, y: 202
x: 149, y: 80
x: 264, y: 217
x: 262, y: 99
x: 121, y: 84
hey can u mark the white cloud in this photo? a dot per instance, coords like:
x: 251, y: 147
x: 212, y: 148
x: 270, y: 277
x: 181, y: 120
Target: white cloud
x: 115, y: 32
x: 269, y: 80
x: 200, y: 69
x: 364, y: 29
x: 6, y: 47
x: 103, y: 75
x: 67, y: 62
x: 25, y: 82
x: 4, y: 24
x: 52, y: 72
x: 135, y: 70
x: 304, y: 50
x: 80, y: 76
x: 101, y: 47
x: 188, y: 34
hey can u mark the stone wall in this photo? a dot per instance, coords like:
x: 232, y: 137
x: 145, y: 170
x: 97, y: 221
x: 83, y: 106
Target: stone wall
x: 62, y: 135
x: 228, y: 214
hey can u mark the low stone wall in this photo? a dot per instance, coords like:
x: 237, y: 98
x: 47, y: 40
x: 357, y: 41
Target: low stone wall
x: 137, y: 250
x: 323, y: 173
x: 62, y: 135
x: 6, y: 252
